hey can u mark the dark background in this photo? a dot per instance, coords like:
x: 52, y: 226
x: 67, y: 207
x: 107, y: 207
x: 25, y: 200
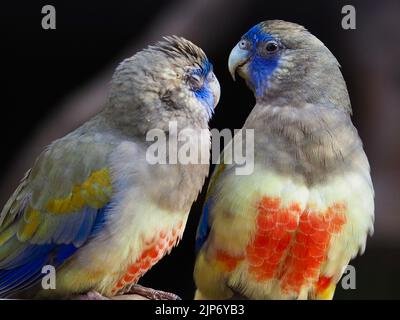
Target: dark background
x: 52, y: 80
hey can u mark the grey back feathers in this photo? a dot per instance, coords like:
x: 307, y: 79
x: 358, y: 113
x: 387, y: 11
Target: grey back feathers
x: 302, y: 122
x: 308, y: 71
x: 312, y: 143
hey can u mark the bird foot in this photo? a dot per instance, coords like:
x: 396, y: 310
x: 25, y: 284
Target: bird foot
x: 135, y: 292
x: 151, y: 294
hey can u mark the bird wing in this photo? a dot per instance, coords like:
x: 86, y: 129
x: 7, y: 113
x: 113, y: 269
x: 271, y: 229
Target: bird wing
x: 209, y: 274
x: 58, y: 205
x: 203, y: 228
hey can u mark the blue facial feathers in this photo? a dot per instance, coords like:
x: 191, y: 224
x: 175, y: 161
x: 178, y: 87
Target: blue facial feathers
x: 204, y: 93
x: 260, y: 66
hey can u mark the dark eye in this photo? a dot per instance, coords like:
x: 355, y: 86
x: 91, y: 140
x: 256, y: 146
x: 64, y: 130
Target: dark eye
x: 271, y: 47
x: 195, y: 81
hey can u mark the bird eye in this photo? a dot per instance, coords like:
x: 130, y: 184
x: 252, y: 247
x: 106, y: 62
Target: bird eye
x: 271, y: 47
x: 195, y: 82
x: 244, y: 44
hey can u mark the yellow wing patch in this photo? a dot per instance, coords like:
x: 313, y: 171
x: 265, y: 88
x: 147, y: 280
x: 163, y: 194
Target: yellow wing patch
x: 30, y: 224
x: 7, y: 234
x: 94, y: 192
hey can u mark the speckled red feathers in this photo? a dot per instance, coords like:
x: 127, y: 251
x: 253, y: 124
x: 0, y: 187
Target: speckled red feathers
x: 289, y: 244
x: 156, y: 248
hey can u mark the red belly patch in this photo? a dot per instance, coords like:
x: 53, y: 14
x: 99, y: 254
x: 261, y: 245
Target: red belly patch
x: 310, y: 247
x: 156, y: 248
x: 291, y: 244
x: 275, y: 227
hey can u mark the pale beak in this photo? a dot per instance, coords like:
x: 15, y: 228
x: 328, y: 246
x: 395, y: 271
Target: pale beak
x: 237, y: 58
x: 215, y: 89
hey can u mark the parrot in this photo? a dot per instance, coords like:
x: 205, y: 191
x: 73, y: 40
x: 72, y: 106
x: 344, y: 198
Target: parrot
x: 93, y: 207
x: 288, y: 229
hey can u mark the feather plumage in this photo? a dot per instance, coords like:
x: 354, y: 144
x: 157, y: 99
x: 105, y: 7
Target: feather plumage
x: 288, y: 230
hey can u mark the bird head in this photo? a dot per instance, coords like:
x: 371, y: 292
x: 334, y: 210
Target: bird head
x: 170, y: 80
x: 278, y: 58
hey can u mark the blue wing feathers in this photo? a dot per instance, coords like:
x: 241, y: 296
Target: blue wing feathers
x: 27, y: 253
x: 19, y: 277
x: 204, y: 228
x: 23, y: 268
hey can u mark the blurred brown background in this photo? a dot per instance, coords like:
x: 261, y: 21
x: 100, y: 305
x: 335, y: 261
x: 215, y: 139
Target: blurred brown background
x: 52, y: 80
